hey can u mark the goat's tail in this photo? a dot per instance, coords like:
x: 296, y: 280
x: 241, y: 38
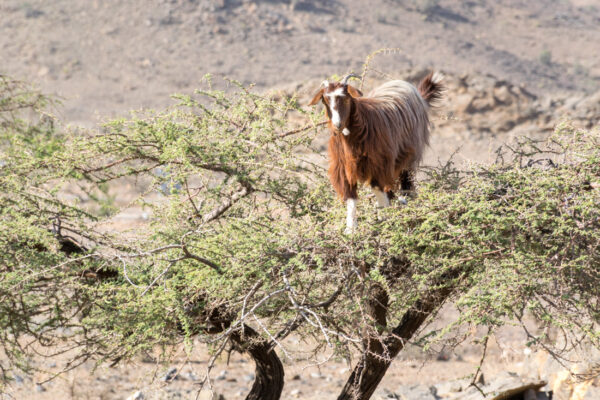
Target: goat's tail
x: 432, y: 88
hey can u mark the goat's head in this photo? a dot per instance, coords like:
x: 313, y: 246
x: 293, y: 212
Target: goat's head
x: 337, y: 98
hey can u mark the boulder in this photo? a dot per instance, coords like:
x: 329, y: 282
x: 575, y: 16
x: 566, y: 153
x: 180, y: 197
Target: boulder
x: 410, y: 392
x: 506, y: 386
x: 503, y: 95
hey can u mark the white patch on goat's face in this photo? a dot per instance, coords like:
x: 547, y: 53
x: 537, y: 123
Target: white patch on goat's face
x: 335, y: 115
x: 335, y: 118
x: 346, y: 131
x: 337, y: 92
x: 351, y: 222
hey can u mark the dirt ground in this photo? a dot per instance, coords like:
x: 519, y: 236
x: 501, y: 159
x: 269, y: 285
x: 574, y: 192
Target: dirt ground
x: 514, y: 67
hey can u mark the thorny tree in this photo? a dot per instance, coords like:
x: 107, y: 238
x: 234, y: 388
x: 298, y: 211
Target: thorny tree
x: 243, y: 248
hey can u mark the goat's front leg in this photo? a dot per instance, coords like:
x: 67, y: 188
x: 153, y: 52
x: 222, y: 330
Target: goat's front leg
x: 351, y: 197
x: 351, y: 220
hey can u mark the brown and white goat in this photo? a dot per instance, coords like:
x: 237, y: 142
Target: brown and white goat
x: 378, y: 139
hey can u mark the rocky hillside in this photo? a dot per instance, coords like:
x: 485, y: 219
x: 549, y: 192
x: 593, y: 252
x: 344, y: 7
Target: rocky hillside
x: 106, y: 57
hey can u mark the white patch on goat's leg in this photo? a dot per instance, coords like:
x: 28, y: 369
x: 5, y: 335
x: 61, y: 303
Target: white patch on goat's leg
x: 351, y: 222
x: 382, y: 198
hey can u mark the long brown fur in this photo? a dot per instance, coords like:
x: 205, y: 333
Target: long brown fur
x: 389, y: 130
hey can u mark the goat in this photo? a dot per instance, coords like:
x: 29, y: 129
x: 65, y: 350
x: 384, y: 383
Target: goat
x: 378, y: 139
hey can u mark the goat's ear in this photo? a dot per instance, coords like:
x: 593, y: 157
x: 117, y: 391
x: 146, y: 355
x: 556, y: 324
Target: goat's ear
x: 354, y: 92
x: 317, y: 97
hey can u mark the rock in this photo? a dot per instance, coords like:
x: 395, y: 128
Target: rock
x: 136, y: 396
x: 295, y: 392
x: 316, y: 375
x: 572, y: 102
x: 503, y: 386
x: 420, y: 392
x: 222, y: 375
x: 40, y: 388
x: 170, y: 375
x: 523, y: 92
x: 503, y: 95
x: 251, y: 8
x: 530, y: 394
x: 548, y: 103
x: 481, y: 104
x: 249, y: 377
x: 445, y: 389
x: 315, y: 28
x: 168, y: 19
x: 591, y: 102
x: 306, y: 6
x: 480, y: 379
x: 218, y: 30
x: 463, y: 102
x: 219, y: 4
x: 191, y: 376
x: 560, y: 380
x: 388, y: 394
x: 33, y: 13
x: 208, y: 395
x: 504, y: 125
x: 18, y: 379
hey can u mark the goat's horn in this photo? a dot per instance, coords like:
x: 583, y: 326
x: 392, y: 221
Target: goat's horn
x: 345, y: 80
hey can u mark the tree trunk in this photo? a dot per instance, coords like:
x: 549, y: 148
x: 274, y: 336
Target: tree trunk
x: 268, y: 383
x: 380, y: 351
